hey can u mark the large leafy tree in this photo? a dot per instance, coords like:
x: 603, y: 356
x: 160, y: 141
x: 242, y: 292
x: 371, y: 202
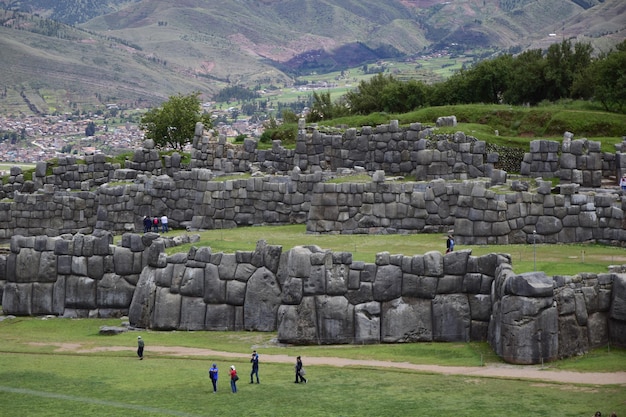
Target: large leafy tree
x: 608, y: 77
x: 173, y: 124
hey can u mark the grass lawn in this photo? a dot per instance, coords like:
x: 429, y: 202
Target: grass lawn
x: 37, y: 379
x: 567, y: 259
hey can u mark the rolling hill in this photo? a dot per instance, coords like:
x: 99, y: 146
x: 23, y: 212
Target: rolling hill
x: 72, y: 54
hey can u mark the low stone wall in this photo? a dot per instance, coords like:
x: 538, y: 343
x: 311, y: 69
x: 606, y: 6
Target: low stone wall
x: 315, y: 296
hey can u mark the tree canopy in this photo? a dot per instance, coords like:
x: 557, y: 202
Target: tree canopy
x: 174, y: 123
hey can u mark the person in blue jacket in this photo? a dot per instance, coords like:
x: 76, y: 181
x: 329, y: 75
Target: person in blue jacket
x: 213, y: 375
x: 255, y: 367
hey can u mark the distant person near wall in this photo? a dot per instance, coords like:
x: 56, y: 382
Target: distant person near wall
x: 450, y: 244
x: 147, y: 224
x: 622, y: 183
x: 164, y: 221
x: 155, y: 225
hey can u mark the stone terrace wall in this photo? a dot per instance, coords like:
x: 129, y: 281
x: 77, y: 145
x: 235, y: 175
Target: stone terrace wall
x: 390, y: 148
x: 315, y: 296
x: 477, y: 214
x: 579, y: 161
x: 49, y: 213
x: 70, y: 173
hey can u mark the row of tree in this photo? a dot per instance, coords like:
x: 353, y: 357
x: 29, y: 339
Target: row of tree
x: 563, y: 71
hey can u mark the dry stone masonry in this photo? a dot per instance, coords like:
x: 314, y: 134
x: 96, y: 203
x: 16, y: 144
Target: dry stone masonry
x: 315, y: 296
x: 62, y: 260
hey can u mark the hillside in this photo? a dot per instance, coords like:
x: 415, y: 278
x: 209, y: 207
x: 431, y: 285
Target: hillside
x: 140, y: 51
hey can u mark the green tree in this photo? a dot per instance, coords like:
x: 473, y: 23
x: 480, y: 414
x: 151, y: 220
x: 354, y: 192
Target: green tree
x: 173, y: 124
x: 608, y: 75
x: 367, y: 98
x: 527, y: 84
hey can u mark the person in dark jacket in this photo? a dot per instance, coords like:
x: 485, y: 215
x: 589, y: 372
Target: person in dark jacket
x: 450, y: 244
x: 255, y: 367
x: 147, y: 224
x: 299, y: 371
x: 140, y: 345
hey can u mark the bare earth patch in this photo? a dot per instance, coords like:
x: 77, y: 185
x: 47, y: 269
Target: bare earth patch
x: 528, y: 372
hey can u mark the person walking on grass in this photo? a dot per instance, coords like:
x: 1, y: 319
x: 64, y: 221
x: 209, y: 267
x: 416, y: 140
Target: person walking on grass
x: 213, y: 375
x: 140, y: 346
x: 233, y: 379
x: 255, y: 367
x: 300, y: 371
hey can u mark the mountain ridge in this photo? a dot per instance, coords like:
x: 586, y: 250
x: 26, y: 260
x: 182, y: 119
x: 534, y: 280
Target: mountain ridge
x: 142, y: 51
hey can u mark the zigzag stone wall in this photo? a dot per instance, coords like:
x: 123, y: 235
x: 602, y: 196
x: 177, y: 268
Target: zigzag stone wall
x: 315, y: 296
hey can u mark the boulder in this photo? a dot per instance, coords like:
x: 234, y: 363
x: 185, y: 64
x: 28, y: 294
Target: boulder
x: 406, y: 320
x: 262, y: 299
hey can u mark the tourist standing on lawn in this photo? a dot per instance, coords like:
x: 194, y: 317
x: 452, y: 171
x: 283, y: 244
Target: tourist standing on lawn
x: 255, y: 367
x: 147, y: 224
x: 233, y: 379
x: 213, y: 375
x: 140, y: 345
x: 155, y: 224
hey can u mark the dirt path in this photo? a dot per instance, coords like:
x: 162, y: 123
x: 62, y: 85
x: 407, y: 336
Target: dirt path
x: 528, y: 372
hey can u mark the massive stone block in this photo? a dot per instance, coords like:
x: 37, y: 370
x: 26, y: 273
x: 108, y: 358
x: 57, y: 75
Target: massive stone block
x: 262, y: 299
x: 406, y: 320
x: 192, y: 313
x: 114, y: 292
x: 142, y: 304
x: 297, y: 324
x: 166, y: 314
x: 367, y: 323
x: 335, y: 320
x: 80, y: 292
x: 451, y: 318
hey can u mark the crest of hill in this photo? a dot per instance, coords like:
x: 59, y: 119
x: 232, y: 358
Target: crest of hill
x: 147, y: 50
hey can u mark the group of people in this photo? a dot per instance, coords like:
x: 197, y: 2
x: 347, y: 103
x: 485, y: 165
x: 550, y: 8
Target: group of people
x: 152, y: 224
x: 254, y: 360
x: 599, y: 414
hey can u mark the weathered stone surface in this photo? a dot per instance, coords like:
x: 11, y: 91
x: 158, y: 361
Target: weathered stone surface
x: 80, y: 292
x: 112, y: 330
x: 192, y: 313
x: 192, y: 284
x: 451, y: 318
x: 142, y: 304
x: 367, y: 323
x: 530, y: 284
x: 572, y: 337
x: 114, y: 291
x: 166, y: 315
x: 618, y: 305
x: 335, y: 320
x: 388, y: 283
x: 262, y: 299
x: 406, y: 320
x: 214, y: 287
x: 298, y: 324
x: 220, y: 317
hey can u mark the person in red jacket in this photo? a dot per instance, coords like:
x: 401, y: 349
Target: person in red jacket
x: 233, y: 379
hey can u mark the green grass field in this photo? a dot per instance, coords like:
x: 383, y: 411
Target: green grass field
x: 563, y: 259
x: 60, y: 367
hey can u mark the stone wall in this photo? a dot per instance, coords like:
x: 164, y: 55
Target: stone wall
x: 315, y: 296
x: 478, y: 214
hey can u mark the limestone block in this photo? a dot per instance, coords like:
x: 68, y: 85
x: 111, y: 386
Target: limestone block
x: 192, y: 283
x: 27, y: 265
x: 406, y: 320
x: 388, y: 283
x: 298, y: 324
x: 16, y: 298
x: 142, y: 304
x: 47, y: 267
x: 262, y: 300
x: 42, y: 294
x: 114, y: 292
x: 480, y: 306
x: 235, y: 292
x: 214, y: 287
x: 449, y: 284
x: 243, y: 271
x: 292, y: 291
x: 166, y: 314
x: 572, y: 337
x: 192, y: 313
x: 337, y: 279
x: 363, y: 294
x: 80, y: 292
x: 565, y: 301
x: 530, y: 284
x: 367, y: 323
x: 227, y: 266
x: 451, y: 318
x: 618, y: 305
x: 220, y: 317
x: 123, y: 260
x: 79, y: 265
x: 335, y: 320
x: 433, y: 264
x: 598, y: 329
